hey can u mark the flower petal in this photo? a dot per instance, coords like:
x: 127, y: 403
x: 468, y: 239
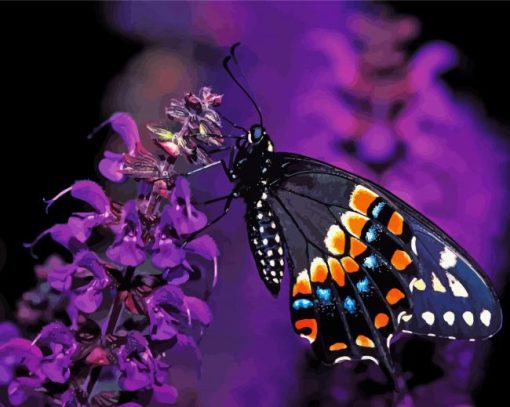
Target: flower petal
x: 199, y: 310
x: 203, y: 246
x: 110, y: 167
x: 124, y: 125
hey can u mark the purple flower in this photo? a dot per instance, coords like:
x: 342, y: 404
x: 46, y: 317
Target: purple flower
x: 168, y: 250
x: 196, y: 111
x: 128, y: 247
x: 165, y: 308
x: 84, y: 279
x: 20, y: 368
x: 170, y: 311
x: 58, y: 344
x: 74, y: 234
x: 136, y: 363
x: 199, y: 124
x: 111, y: 164
x: 185, y: 217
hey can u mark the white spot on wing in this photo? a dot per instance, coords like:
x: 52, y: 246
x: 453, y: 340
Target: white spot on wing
x: 413, y: 245
x: 371, y: 359
x: 388, y: 340
x: 437, y: 285
x: 407, y: 317
x: 456, y: 287
x: 419, y: 284
x: 448, y: 259
x: 342, y: 359
x: 449, y: 317
x: 468, y: 317
x: 485, y: 317
x: 399, y: 317
x: 428, y: 317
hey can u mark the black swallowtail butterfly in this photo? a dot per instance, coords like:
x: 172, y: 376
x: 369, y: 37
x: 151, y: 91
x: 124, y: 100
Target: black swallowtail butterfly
x: 363, y: 264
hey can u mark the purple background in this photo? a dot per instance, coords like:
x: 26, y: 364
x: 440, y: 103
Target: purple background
x: 343, y: 82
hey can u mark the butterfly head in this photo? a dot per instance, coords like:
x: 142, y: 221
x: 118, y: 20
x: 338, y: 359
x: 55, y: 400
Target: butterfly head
x: 259, y: 139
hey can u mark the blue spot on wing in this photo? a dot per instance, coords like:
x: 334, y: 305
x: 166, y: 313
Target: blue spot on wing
x: 363, y: 285
x: 350, y: 305
x: 377, y: 210
x: 371, y: 234
x: 370, y: 262
x: 324, y: 294
x: 302, y: 303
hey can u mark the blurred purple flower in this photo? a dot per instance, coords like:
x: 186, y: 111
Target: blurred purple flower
x: 84, y: 280
x: 128, y: 247
x: 59, y: 341
x: 8, y: 331
x: 20, y: 369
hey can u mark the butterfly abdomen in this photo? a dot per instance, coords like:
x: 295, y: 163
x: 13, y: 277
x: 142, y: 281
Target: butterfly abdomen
x: 266, y: 242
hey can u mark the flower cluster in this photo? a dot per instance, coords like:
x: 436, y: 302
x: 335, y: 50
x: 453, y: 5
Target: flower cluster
x: 101, y: 325
x: 196, y: 123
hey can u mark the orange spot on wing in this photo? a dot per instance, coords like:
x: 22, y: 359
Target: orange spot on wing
x: 302, y: 284
x: 338, y: 346
x: 396, y: 224
x: 337, y: 271
x: 400, y: 260
x: 335, y: 240
x: 381, y: 320
x: 319, y: 270
x: 354, y: 222
x: 310, y: 324
x: 357, y: 247
x: 349, y: 265
x: 364, y: 341
x: 361, y: 199
x: 394, y: 295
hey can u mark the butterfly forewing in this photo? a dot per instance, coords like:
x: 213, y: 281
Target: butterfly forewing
x: 365, y: 265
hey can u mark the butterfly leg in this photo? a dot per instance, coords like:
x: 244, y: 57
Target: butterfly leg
x: 226, y: 209
x: 206, y: 167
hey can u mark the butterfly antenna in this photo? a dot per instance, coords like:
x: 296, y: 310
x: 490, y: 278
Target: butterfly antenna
x: 227, y: 68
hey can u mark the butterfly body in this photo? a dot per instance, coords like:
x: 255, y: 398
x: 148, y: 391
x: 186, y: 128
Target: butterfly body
x: 363, y: 265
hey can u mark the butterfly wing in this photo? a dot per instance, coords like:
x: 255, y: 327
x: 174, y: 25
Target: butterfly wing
x: 366, y: 265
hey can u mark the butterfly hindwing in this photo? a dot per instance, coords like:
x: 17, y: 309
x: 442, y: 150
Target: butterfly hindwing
x: 336, y: 301
x: 417, y: 277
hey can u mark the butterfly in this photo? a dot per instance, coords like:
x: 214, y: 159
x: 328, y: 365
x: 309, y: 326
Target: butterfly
x: 363, y: 265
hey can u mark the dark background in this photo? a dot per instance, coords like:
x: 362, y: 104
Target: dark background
x: 57, y: 59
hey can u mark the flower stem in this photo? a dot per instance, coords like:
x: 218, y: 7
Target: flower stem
x: 110, y: 327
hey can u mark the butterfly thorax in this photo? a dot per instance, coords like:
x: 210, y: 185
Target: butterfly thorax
x: 251, y: 171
